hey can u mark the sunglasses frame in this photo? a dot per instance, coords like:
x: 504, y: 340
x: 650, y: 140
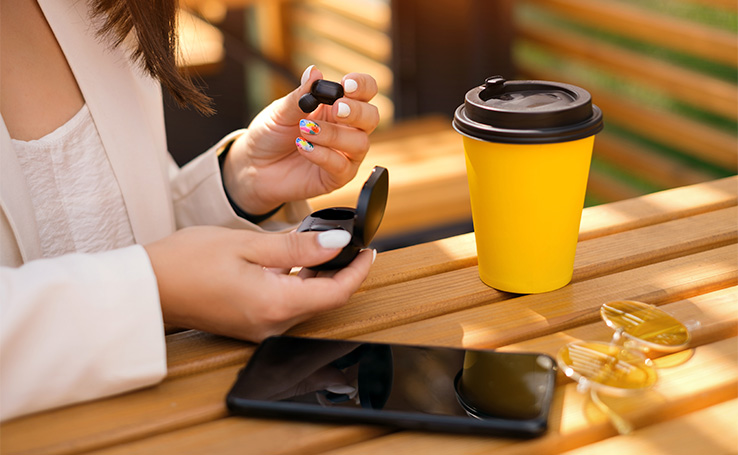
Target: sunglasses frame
x: 630, y: 351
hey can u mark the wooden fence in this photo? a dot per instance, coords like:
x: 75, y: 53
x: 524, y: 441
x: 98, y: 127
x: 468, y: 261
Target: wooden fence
x: 664, y: 73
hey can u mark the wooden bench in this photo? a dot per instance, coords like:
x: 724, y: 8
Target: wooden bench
x: 675, y: 249
x: 613, y: 48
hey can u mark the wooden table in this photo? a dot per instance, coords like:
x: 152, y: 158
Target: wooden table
x: 676, y: 249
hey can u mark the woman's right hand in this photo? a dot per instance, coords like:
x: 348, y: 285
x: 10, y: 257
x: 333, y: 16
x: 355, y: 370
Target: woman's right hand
x: 231, y: 282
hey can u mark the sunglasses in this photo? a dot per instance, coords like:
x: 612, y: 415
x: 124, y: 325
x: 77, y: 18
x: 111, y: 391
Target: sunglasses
x: 624, y: 365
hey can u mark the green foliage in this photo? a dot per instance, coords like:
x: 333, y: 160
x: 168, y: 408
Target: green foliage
x: 589, y: 76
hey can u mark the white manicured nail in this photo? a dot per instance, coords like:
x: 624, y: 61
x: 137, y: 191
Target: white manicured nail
x: 335, y: 238
x: 343, y: 110
x: 350, y: 86
x: 341, y: 389
x: 306, y: 74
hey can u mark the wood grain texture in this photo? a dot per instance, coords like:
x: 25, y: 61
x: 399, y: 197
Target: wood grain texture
x: 165, y: 407
x: 427, y: 280
x: 498, y: 324
x: 675, y: 249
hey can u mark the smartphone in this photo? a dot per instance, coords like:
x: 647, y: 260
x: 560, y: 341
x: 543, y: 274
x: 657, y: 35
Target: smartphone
x: 406, y: 386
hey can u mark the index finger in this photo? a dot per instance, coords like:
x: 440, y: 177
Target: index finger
x: 359, y: 86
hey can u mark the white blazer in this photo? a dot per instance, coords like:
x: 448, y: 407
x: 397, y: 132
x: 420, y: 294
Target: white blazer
x: 84, y: 326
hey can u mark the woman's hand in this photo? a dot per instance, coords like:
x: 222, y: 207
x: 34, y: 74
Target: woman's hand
x: 231, y: 282
x: 267, y: 166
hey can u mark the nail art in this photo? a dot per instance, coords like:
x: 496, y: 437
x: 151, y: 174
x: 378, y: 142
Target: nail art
x: 304, y: 145
x: 309, y: 127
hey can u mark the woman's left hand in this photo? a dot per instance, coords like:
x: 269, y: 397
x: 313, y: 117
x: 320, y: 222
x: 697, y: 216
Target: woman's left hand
x: 287, y: 155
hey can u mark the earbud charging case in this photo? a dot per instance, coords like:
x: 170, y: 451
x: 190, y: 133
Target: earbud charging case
x: 362, y: 222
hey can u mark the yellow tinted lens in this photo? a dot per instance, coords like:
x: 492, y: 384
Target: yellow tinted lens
x: 607, y: 365
x: 647, y: 323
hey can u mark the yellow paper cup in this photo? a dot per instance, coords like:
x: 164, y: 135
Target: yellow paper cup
x: 528, y: 147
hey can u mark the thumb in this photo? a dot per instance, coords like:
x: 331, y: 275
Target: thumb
x: 287, y: 109
x: 295, y: 249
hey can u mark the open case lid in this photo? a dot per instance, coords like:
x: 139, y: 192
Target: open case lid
x: 371, y: 205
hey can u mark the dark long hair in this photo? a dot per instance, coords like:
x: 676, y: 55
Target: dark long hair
x: 153, y: 22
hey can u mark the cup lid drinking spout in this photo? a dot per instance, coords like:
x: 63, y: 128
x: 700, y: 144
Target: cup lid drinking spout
x: 527, y: 112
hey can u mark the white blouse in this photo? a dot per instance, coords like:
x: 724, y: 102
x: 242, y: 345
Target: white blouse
x: 76, y: 197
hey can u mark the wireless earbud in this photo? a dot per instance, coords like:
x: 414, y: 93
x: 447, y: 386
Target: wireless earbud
x: 362, y: 222
x: 322, y: 91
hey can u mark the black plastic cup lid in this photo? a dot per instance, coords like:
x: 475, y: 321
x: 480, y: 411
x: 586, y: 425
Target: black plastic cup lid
x: 527, y: 112
x: 371, y: 205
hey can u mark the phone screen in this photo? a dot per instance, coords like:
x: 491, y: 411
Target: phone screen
x: 418, y: 387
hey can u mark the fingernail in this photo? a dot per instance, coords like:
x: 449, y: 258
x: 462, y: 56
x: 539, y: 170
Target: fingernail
x: 343, y: 110
x: 335, y: 238
x: 306, y: 74
x: 309, y: 127
x: 350, y: 86
x: 304, y: 145
x: 374, y: 253
x: 344, y: 389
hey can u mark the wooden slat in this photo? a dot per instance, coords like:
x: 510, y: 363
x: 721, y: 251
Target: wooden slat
x: 374, y: 13
x: 642, y: 24
x: 198, y: 398
x: 371, y: 42
x: 658, y: 207
x: 414, y: 127
x: 606, y: 188
x: 166, y: 407
x: 449, y: 264
x: 710, y: 317
x: 695, y: 88
x: 643, y: 163
x: 625, y: 250
x: 458, y: 252
x: 695, y: 139
x: 240, y: 436
x: 712, y: 430
x: 441, y: 269
x: 152, y: 410
x: 302, y: 438
x: 326, y: 53
x: 730, y: 5
x: 191, y: 351
x: 537, y: 315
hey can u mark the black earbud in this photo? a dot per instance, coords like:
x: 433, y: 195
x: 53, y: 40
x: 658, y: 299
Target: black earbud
x: 322, y: 91
x: 362, y: 222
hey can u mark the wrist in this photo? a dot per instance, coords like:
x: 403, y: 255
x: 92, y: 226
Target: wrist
x: 254, y: 216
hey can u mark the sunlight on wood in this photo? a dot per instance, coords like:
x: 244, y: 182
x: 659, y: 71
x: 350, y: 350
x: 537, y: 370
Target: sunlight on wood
x: 200, y: 44
x: 686, y: 201
x: 479, y: 333
x: 458, y: 247
x: 714, y: 268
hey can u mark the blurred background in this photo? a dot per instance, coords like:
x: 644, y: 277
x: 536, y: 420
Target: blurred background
x: 664, y: 72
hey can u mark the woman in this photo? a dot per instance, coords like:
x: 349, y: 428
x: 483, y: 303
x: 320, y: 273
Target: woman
x: 103, y: 238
